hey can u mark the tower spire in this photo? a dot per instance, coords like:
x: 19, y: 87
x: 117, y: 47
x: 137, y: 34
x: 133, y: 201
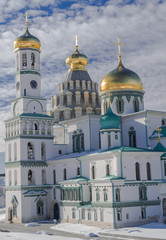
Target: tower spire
x: 26, y: 23
x: 76, y: 44
x: 119, y: 52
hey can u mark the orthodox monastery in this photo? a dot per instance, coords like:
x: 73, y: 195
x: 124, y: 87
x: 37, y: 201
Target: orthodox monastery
x: 97, y: 158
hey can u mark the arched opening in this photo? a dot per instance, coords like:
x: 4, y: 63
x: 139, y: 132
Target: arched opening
x: 15, y: 151
x: 78, y: 171
x: 31, y: 179
x: 43, y: 176
x: 10, y: 178
x: 136, y: 105
x: 24, y: 60
x: 164, y: 207
x: 132, y: 137
x: 163, y: 122
x: 56, y: 211
x: 36, y: 126
x: 30, y: 150
x: 107, y: 169
x: 148, y: 170
x: 9, y: 152
x: 33, y: 61
x: 15, y: 177
x: 137, y: 171
x: 40, y: 207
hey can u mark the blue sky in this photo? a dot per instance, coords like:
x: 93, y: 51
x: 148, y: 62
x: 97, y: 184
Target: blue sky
x: 139, y: 23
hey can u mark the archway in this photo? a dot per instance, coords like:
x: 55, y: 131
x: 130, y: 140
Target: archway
x: 56, y: 211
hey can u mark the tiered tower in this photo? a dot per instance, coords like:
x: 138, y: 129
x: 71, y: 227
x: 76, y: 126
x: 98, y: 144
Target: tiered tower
x: 28, y: 136
x: 78, y: 94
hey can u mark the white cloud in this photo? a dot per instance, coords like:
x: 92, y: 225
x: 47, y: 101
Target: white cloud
x: 141, y: 26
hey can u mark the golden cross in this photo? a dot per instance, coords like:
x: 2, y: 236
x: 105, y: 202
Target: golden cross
x: 26, y: 19
x: 76, y: 40
x: 119, y: 44
x: 158, y: 131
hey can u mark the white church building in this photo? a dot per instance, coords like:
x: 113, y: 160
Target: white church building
x: 94, y: 158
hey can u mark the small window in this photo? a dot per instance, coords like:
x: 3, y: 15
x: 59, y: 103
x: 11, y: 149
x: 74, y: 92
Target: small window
x: 24, y: 60
x: 137, y: 171
x: 89, y: 215
x: 105, y: 196
x: 60, y: 151
x: 93, y: 172
x: 163, y: 122
x: 54, y: 177
x: 78, y: 171
x: 83, y: 214
x: 116, y: 136
x: 25, y: 93
x: 143, y: 213
x: 107, y: 169
x: 64, y: 174
x: 109, y: 140
x: 119, y: 216
x: 97, y: 196
x: 136, y: 105
x: 33, y: 63
x: 117, y: 195
x: 148, y: 170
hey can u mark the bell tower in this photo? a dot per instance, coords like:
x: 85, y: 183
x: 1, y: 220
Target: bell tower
x: 29, y: 137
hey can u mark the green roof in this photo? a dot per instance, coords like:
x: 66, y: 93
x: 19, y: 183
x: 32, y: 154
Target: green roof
x: 159, y: 148
x: 76, y: 179
x: 110, y: 120
x: 35, y: 115
x: 162, y: 133
x: 27, y: 37
x: 128, y: 149
x: 163, y: 157
x: 108, y: 177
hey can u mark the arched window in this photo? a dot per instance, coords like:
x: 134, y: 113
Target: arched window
x: 43, y: 151
x: 163, y: 122
x: 10, y: 178
x: 73, y: 213
x: 109, y: 140
x: 43, y: 176
x: 33, y: 63
x: 148, y: 170
x: 136, y: 105
x: 107, y: 169
x: 30, y: 150
x: 82, y: 214
x: 117, y: 195
x: 9, y: 151
x: 137, y: 171
x: 142, y: 192
x: 24, y: 60
x: 120, y: 106
x: 97, y: 195
x: 40, y: 207
x: 78, y: 171
x: 30, y: 177
x: 93, y: 172
x: 15, y: 151
x: 164, y: 207
x: 143, y: 213
x: 119, y: 216
x: 14, y: 205
x: 132, y: 137
x: 64, y: 174
x: 105, y: 195
x: 54, y: 177
x: 36, y: 126
x: 15, y: 177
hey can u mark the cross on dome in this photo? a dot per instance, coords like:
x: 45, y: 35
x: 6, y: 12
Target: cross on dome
x: 119, y: 49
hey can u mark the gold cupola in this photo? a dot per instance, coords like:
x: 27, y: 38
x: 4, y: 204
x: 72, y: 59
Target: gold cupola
x: 27, y: 40
x: 121, y: 78
x: 77, y: 61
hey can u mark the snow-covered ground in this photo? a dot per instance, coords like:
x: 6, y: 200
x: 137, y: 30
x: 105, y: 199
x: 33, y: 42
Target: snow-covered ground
x: 151, y: 230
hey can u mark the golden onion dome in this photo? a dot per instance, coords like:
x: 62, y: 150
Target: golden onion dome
x: 121, y: 78
x: 27, y: 40
x: 77, y: 61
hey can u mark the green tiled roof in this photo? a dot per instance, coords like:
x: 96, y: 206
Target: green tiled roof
x: 76, y: 179
x: 128, y: 149
x: 35, y: 115
x: 159, y: 148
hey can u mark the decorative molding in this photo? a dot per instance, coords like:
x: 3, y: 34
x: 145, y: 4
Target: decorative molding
x: 29, y: 72
x: 26, y: 163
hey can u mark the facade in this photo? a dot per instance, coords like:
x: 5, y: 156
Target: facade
x: 79, y: 164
